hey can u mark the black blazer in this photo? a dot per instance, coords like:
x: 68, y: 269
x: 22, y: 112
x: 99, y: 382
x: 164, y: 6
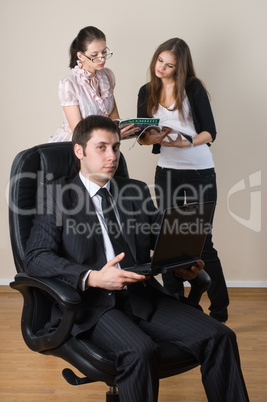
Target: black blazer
x: 200, y: 108
x: 66, y: 239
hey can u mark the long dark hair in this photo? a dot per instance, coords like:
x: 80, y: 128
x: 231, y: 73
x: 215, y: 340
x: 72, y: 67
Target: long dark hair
x: 185, y: 72
x: 82, y: 40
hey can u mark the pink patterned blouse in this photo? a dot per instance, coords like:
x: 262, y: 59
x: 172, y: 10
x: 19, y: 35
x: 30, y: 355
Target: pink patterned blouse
x: 92, y: 95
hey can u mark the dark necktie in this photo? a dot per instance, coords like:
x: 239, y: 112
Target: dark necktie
x: 113, y: 228
x: 139, y: 299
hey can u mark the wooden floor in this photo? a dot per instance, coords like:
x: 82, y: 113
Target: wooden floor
x: 28, y: 376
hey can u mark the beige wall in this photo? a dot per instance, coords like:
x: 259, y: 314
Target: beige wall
x: 228, y: 44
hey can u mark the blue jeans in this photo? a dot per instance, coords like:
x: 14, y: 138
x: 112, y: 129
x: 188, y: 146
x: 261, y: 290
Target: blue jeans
x: 171, y: 188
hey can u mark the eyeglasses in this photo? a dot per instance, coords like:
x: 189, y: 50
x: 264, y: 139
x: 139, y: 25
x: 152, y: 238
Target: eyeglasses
x: 99, y: 58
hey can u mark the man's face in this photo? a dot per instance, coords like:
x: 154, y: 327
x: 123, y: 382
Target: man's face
x: 101, y: 158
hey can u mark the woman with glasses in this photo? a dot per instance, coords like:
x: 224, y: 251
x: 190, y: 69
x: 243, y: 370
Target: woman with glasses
x: 185, y: 169
x: 88, y: 89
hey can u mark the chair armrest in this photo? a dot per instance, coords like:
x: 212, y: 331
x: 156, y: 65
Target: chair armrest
x: 66, y: 296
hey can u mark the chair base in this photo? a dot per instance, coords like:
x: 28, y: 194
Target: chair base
x: 113, y: 395
x: 73, y: 379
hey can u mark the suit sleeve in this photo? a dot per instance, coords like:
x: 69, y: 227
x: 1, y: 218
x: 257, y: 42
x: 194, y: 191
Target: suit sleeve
x: 42, y: 256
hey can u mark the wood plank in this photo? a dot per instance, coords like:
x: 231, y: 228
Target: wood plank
x: 28, y: 376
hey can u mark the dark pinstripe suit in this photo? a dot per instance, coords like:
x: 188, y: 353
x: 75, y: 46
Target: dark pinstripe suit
x: 61, y: 246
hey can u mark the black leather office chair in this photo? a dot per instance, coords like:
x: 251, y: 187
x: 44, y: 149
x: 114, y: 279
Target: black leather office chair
x: 32, y: 168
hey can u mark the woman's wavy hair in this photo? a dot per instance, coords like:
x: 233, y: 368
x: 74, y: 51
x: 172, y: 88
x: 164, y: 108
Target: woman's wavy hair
x: 82, y: 40
x: 185, y: 73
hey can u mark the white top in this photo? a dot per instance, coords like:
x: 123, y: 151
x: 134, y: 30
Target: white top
x: 92, y: 95
x: 197, y: 157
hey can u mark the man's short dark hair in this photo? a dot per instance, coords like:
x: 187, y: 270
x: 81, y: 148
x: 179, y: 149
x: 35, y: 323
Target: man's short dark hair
x: 84, y: 129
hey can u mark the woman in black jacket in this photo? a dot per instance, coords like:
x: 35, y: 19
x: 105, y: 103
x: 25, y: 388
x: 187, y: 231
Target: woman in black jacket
x: 185, y: 170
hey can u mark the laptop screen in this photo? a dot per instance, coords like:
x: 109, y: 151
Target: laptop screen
x: 182, y: 234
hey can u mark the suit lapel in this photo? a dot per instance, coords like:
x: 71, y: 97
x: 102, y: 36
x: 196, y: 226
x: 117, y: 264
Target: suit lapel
x: 81, y: 197
x: 125, y: 209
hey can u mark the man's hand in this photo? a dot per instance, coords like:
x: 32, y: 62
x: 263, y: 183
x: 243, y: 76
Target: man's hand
x: 112, y: 278
x: 192, y: 272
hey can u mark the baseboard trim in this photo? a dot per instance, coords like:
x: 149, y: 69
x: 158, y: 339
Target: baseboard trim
x: 246, y: 284
x: 230, y: 284
x: 242, y: 284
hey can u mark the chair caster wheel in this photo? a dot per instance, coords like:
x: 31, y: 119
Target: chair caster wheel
x: 112, y: 395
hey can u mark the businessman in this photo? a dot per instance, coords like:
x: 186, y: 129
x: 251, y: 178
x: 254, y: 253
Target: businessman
x: 90, y: 227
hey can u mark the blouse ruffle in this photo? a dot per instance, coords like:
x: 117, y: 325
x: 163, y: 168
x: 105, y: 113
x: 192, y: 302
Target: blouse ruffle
x: 98, y: 81
x: 93, y: 95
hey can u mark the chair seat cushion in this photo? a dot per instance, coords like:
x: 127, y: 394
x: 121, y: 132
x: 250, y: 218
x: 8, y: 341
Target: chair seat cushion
x: 91, y: 360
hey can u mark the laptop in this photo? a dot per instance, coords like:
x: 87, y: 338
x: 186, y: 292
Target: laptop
x: 180, y: 240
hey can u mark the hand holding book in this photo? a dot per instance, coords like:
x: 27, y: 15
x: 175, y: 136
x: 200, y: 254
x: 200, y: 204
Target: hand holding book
x: 129, y: 131
x: 153, y: 135
x: 148, y: 132
x: 180, y: 141
x: 160, y: 135
x: 136, y: 126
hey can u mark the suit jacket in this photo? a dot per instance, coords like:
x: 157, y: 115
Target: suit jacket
x: 66, y: 239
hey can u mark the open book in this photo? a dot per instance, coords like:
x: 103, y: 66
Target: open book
x: 142, y: 123
x: 148, y: 124
x: 160, y: 129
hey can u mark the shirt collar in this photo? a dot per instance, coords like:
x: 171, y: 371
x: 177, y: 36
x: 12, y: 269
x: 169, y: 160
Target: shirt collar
x: 92, y: 187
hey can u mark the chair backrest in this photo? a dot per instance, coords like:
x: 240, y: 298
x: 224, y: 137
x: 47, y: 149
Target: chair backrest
x: 31, y: 168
